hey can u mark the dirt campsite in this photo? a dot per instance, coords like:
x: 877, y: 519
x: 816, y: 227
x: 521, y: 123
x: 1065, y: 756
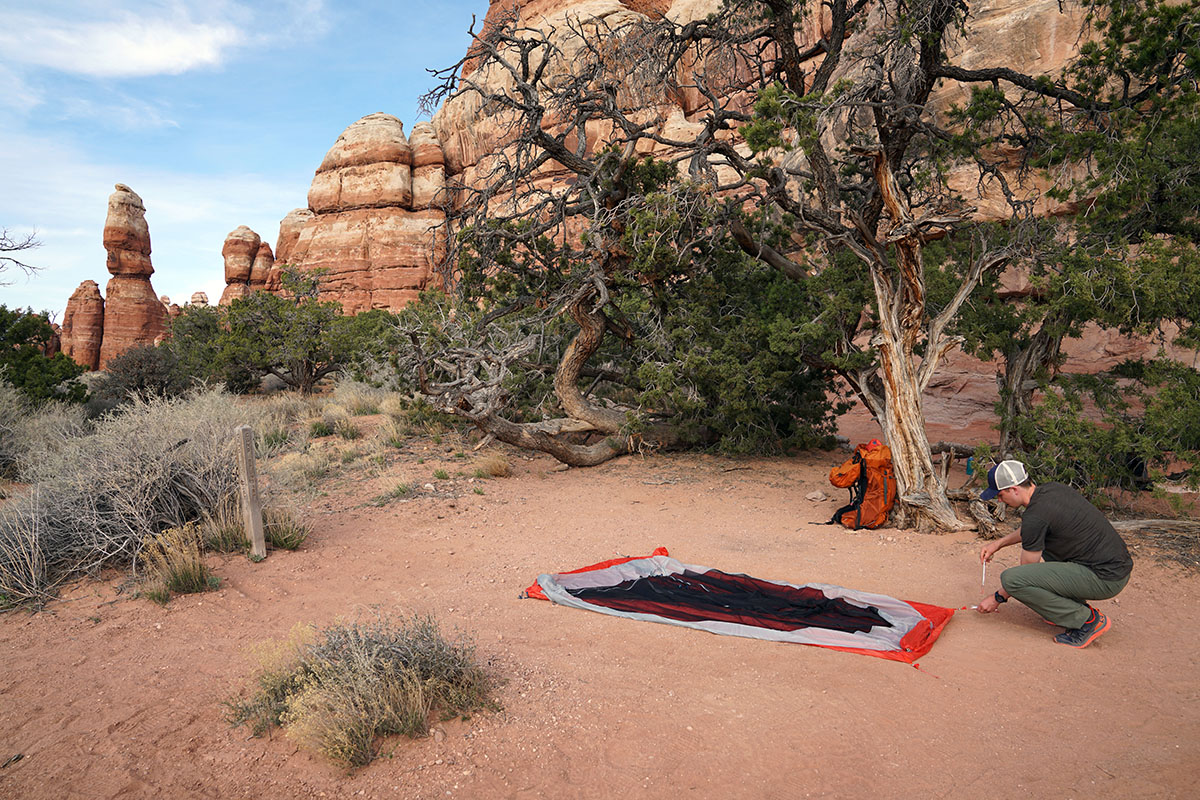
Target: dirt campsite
x: 107, y: 695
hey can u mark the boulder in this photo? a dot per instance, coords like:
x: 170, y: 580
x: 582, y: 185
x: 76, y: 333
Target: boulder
x: 429, y: 168
x: 372, y: 224
x: 126, y: 234
x: 264, y: 263
x: 199, y: 299
x: 369, y: 166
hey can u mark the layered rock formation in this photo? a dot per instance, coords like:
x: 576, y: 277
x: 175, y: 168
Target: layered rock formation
x: 133, y: 314
x: 243, y: 264
x: 97, y: 329
x: 374, y: 215
x: 83, y: 325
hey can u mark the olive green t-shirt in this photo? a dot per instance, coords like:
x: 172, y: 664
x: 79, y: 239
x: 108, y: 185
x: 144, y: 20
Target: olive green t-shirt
x: 1061, y: 524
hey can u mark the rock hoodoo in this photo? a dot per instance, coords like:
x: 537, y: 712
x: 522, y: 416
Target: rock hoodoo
x: 83, y: 325
x: 133, y: 314
x: 97, y: 329
x: 240, y: 251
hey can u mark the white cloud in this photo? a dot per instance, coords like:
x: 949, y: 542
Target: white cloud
x: 129, y: 40
x: 130, y: 46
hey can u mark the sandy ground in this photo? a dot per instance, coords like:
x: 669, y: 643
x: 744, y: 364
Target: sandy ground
x: 105, y: 696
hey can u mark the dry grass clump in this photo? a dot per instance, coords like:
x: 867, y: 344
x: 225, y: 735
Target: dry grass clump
x: 359, y: 398
x: 153, y: 465
x: 282, y: 529
x: 174, y: 564
x: 300, y: 471
x: 339, y: 691
x: 492, y: 465
x: 222, y: 529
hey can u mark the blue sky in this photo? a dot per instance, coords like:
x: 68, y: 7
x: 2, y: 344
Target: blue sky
x: 216, y: 112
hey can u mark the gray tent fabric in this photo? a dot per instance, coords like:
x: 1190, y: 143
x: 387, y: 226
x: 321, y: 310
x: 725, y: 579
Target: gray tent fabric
x: 901, y: 617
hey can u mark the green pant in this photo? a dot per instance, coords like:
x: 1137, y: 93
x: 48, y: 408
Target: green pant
x: 1057, y: 589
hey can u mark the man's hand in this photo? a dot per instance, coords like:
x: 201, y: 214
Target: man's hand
x: 988, y: 604
x: 989, y: 550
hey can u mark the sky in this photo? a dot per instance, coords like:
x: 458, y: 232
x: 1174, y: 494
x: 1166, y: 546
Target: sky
x: 216, y: 112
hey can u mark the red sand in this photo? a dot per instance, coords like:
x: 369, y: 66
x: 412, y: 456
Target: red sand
x: 106, y: 696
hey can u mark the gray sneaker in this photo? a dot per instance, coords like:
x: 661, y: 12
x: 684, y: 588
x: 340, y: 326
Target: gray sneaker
x: 1081, y: 637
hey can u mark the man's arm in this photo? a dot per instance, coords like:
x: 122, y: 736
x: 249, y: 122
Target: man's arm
x: 989, y: 604
x: 989, y: 549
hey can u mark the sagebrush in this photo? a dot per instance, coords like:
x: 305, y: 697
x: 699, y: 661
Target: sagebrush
x: 340, y: 690
x: 155, y: 464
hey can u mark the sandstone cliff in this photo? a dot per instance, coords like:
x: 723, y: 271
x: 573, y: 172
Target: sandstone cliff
x: 373, y: 217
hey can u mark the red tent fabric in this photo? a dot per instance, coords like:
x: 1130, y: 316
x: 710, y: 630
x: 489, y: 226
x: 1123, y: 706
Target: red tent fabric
x: 659, y: 588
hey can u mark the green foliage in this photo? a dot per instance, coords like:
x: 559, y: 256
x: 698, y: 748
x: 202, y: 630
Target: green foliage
x: 729, y: 361
x: 346, y: 429
x: 142, y: 371
x: 24, y: 338
x: 339, y: 690
x: 1123, y: 429
x: 205, y: 352
x: 707, y: 344
x: 294, y: 336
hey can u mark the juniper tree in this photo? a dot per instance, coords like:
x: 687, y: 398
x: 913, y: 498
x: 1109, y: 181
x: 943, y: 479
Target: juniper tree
x: 842, y: 184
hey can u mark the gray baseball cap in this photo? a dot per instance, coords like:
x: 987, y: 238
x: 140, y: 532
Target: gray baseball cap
x: 1004, y: 475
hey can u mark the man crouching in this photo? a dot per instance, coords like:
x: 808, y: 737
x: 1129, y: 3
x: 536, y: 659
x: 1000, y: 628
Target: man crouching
x: 1070, y: 553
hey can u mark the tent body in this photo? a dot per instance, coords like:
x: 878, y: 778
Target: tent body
x: 658, y: 588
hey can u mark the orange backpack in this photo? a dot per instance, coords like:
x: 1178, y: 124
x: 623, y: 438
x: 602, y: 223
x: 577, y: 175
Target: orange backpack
x: 872, y: 484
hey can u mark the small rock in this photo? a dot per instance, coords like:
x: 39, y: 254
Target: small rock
x: 817, y: 496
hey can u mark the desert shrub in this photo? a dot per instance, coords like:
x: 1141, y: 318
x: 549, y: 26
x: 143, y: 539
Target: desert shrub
x: 346, y: 429
x: 13, y: 407
x: 30, y: 432
x: 299, y: 471
x: 282, y: 529
x: 492, y: 465
x: 142, y: 371
x: 400, y: 490
x: 279, y: 429
x: 174, y: 563
x: 155, y: 465
x: 319, y: 428
x: 338, y: 691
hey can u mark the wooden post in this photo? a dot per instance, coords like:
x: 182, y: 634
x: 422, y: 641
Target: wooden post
x: 251, y: 502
